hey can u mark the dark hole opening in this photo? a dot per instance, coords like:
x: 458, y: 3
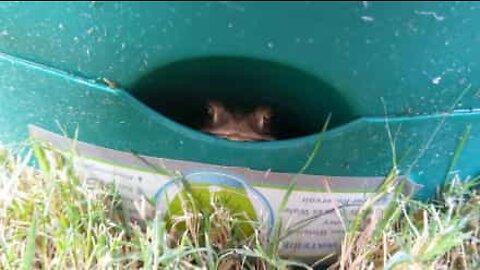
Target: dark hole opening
x: 301, y: 102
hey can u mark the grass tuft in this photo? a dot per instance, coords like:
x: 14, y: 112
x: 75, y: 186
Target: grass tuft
x: 51, y: 219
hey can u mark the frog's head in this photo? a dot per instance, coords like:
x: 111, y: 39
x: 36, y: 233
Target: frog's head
x: 254, y: 125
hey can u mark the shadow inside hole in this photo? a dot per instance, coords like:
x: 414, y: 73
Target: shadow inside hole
x: 300, y: 101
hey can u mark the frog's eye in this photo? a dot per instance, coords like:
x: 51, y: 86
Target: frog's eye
x: 210, y: 110
x: 264, y: 117
x: 214, y: 110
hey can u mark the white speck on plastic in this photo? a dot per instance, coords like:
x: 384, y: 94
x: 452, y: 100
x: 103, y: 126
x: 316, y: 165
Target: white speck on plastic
x: 232, y: 5
x: 436, y: 80
x: 430, y: 13
x: 270, y: 45
x: 367, y: 18
x: 230, y: 25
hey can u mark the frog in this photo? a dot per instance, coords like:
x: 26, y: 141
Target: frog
x: 238, y: 125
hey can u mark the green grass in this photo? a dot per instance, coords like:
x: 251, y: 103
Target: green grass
x: 51, y: 219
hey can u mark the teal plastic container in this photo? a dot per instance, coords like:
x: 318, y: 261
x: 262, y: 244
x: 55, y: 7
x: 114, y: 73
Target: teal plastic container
x: 131, y: 76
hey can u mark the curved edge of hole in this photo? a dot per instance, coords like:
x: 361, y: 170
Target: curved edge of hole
x: 301, y: 100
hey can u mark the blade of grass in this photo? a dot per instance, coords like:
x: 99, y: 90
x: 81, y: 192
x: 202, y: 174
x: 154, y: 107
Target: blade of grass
x: 277, y: 227
x: 437, y: 128
x: 29, y: 255
x: 41, y: 157
x: 463, y: 140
